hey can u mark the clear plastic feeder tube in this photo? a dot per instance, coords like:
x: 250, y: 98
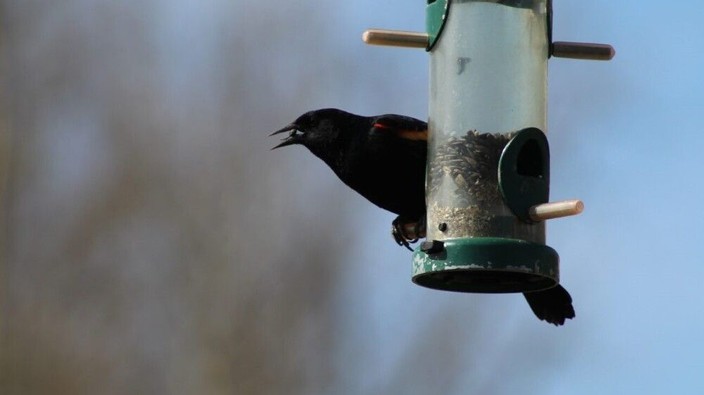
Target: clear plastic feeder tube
x: 488, y: 80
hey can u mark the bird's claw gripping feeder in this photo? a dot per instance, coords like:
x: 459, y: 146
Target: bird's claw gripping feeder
x: 488, y: 172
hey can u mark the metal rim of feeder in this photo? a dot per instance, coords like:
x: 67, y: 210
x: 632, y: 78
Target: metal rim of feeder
x: 487, y: 265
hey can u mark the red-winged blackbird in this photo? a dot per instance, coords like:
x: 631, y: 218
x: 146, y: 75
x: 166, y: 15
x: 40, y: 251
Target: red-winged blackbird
x: 383, y: 158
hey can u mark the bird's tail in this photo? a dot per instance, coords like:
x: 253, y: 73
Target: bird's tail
x: 553, y: 305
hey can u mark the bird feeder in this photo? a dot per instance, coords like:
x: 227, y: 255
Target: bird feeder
x: 488, y: 172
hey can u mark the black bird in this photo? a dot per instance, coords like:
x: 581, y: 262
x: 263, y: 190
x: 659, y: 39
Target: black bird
x: 383, y: 158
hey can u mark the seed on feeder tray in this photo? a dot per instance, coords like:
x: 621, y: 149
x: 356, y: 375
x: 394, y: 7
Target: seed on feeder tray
x: 470, y: 164
x: 468, y: 159
x: 459, y: 180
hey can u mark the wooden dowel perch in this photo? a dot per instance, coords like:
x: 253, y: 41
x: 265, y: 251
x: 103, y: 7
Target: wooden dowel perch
x: 552, y: 210
x: 395, y: 38
x: 586, y: 51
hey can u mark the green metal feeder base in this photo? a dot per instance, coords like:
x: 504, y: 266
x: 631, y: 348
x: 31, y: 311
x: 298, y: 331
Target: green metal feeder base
x: 487, y: 265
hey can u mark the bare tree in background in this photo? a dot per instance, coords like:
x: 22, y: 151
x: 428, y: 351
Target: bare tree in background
x: 142, y: 250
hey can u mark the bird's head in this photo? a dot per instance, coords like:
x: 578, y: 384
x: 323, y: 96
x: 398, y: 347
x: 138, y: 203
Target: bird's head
x: 316, y: 130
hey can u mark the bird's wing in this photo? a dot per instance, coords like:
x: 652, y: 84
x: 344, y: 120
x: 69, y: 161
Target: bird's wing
x: 400, y: 126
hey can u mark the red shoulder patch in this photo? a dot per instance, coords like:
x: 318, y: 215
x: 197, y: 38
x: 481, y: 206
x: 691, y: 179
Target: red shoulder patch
x: 413, y: 134
x: 407, y: 134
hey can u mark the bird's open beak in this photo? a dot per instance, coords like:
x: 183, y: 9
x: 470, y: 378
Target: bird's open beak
x: 293, y: 138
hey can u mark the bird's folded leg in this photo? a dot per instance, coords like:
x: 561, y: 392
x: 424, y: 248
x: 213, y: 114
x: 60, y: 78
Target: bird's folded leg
x: 406, y: 232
